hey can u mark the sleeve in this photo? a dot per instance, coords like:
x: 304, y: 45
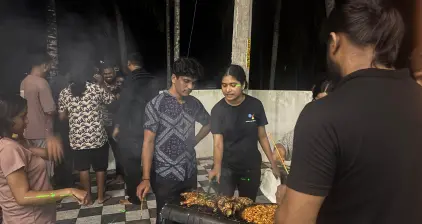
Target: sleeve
x: 202, y: 116
x: 152, y: 118
x: 46, y: 98
x: 12, y: 158
x: 262, y: 117
x: 62, y: 102
x: 314, y: 156
x: 287, y: 142
x: 216, y: 121
x: 106, y: 97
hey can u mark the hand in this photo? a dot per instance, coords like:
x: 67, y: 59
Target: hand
x: 143, y: 189
x: 115, y: 133
x: 276, y: 170
x: 281, y: 150
x: 54, y: 149
x: 80, y: 195
x: 214, y: 173
x: 281, y: 192
x: 99, y: 78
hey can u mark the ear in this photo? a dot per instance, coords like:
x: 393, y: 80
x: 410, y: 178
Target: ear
x: 334, y: 43
x: 173, y: 78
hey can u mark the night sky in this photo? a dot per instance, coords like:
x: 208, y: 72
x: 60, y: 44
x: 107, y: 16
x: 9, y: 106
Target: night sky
x: 91, y: 25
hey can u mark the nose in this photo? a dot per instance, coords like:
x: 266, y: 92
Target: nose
x: 190, y: 86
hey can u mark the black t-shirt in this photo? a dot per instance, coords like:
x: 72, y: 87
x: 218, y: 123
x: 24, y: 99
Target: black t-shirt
x: 361, y: 148
x: 239, y: 127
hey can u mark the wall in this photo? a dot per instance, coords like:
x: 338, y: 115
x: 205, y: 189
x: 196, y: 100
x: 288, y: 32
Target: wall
x: 282, y: 109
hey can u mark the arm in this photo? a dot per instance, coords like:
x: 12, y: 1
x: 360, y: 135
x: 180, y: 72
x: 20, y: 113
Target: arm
x: 298, y: 208
x: 48, y: 106
x: 18, y: 183
x: 150, y: 130
x: 313, y: 167
x: 62, y: 105
x: 265, y: 144
x: 203, y: 117
x: 40, y: 152
x: 218, y: 151
x: 202, y: 133
x: 147, y: 153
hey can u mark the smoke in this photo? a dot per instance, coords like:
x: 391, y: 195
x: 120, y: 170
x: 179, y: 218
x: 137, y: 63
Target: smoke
x: 23, y: 32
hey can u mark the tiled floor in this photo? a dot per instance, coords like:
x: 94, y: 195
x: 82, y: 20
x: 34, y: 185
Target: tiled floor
x: 112, y: 212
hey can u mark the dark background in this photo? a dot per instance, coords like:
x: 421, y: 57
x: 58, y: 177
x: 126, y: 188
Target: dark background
x: 90, y: 25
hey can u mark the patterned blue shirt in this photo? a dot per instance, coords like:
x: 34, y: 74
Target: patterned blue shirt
x: 174, y: 124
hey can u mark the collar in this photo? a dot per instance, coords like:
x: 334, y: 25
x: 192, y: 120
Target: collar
x: 374, y: 73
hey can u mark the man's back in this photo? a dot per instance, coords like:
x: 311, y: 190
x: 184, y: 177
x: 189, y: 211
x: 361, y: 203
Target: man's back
x: 364, y: 151
x: 38, y: 94
x: 138, y: 90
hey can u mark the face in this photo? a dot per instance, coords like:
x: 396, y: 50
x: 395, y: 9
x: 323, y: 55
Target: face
x: 45, y: 68
x: 333, y: 58
x: 109, y: 75
x: 20, y: 122
x: 120, y: 81
x: 231, y: 87
x: 183, y: 85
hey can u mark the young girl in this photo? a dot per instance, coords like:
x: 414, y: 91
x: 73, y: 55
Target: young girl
x: 26, y: 195
x: 238, y: 124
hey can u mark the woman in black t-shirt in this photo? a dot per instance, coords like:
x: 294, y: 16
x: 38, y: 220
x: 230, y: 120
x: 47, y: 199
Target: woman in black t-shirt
x: 237, y: 124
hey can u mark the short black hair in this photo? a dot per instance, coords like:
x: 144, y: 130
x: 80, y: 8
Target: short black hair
x: 106, y: 65
x: 39, y: 58
x: 11, y: 105
x: 136, y: 59
x: 188, y: 67
x: 369, y: 23
x: 237, y: 72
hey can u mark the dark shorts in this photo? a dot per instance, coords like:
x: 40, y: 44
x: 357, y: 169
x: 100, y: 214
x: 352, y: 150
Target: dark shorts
x: 97, y: 158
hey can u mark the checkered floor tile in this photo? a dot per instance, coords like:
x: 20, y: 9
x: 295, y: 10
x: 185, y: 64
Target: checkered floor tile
x: 111, y: 212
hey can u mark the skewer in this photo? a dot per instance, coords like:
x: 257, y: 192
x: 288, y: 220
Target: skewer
x: 142, y: 207
x: 278, y: 153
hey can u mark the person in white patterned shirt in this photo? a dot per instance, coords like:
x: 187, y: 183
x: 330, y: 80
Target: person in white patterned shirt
x: 285, y: 144
x: 82, y: 103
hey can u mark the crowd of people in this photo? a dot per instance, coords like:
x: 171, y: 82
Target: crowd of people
x: 356, y: 145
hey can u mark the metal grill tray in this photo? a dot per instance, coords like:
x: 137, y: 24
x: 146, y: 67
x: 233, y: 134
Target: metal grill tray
x: 198, y: 214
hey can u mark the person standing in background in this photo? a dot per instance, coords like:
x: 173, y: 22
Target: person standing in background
x: 285, y: 144
x: 110, y: 81
x: 136, y: 93
x: 168, y: 151
x: 41, y: 107
x: 81, y: 103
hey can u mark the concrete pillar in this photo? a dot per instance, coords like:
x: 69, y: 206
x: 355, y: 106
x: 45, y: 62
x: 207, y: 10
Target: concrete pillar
x: 52, y: 47
x: 176, y: 29
x: 242, y: 26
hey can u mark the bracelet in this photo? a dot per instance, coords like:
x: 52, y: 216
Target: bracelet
x: 144, y: 179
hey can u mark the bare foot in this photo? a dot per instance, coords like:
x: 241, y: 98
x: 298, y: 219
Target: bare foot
x: 102, y: 200
x: 124, y: 202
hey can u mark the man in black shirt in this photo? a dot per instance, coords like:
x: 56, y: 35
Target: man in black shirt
x: 137, y: 91
x: 357, y: 151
